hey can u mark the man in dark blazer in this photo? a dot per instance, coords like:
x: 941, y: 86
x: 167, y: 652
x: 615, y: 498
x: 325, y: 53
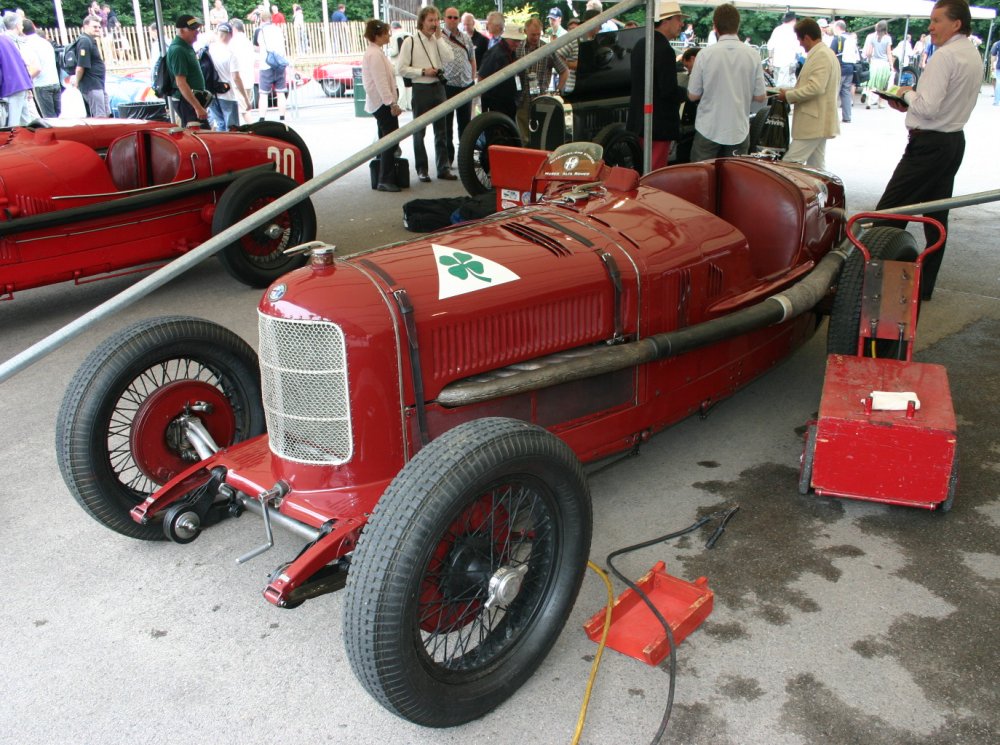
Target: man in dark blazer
x: 667, y: 96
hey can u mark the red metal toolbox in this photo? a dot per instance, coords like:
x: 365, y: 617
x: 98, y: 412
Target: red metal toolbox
x: 905, y: 457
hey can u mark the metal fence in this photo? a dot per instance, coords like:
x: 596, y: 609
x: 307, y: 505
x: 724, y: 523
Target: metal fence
x: 128, y: 48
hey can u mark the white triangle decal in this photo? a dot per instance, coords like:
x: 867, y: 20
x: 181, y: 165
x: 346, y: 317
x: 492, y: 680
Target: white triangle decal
x: 460, y: 272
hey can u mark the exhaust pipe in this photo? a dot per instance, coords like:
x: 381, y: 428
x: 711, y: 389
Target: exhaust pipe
x: 784, y: 306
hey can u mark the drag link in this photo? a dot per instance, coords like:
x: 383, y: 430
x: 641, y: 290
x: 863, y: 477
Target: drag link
x: 277, y: 491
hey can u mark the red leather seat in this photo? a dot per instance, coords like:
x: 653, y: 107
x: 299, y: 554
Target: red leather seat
x: 164, y: 158
x: 125, y: 161
x: 767, y: 208
x: 692, y: 182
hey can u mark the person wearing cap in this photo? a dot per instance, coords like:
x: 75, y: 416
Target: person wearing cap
x: 555, y: 24
x: 502, y: 97
x: 667, y: 95
x: 814, y: 98
x: 189, y: 82
x: 90, y: 71
x: 827, y: 29
x: 224, y: 110
x: 726, y: 80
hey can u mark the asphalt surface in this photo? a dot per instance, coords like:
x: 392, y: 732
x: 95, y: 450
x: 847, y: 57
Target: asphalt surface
x: 835, y: 621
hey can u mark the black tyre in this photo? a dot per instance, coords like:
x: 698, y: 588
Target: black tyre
x: 949, y: 500
x: 467, y: 570
x: 258, y: 258
x: 621, y: 147
x: 489, y: 128
x: 806, y: 466
x: 281, y: 131
x: 891, y: 244
x: 332, y: 88
x: 116, y: 441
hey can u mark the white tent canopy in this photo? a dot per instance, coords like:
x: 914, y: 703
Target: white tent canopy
x: 871, y: 8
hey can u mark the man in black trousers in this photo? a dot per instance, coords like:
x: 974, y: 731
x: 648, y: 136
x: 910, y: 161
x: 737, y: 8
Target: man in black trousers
x: 935, y: 116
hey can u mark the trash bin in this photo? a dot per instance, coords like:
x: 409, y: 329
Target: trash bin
x: 359, y: 94
x: 152, y: 110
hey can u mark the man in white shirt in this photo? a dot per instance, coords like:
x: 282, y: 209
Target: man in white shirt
x: 783, y: 49
x: 46, y: 77
x: 242, y: 49
x: 726, y: 79
x: 422, y: 59
x: 846, y: 49
x: 935, y: 116
x: 272, y: 77
x: 223, y: 112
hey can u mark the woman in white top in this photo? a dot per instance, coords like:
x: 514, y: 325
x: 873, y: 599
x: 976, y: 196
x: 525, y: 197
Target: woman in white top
x: 381, y: 97
x: 878, y: 52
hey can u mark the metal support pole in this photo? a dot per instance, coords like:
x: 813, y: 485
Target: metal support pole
x: 647, y: 95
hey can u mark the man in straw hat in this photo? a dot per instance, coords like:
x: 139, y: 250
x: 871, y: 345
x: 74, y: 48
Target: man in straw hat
x: 667, y: 96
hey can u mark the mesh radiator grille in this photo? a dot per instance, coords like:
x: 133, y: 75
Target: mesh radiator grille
x: 303, y: 368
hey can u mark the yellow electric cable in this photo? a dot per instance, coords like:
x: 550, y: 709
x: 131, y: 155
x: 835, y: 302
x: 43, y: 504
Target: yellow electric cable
x: 600, y: 650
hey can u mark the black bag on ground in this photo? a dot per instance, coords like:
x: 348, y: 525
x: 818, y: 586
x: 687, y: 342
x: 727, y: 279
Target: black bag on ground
x: 775, y: 135
x: 402, y: 173
x: 476, y: 208
x: 425, y: 215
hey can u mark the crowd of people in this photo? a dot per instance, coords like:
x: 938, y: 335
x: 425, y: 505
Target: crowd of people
x: 817, y: 68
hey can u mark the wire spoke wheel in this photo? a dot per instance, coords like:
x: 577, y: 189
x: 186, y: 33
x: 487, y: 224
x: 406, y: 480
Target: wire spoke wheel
x: 486, y: 577
x: 118, y: 435
x: 489, y: 128
x: 467, y: 570
x: 257, y: 258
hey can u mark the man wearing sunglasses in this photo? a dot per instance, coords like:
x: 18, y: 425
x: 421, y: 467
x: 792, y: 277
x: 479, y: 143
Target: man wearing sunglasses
x: 459, y: 74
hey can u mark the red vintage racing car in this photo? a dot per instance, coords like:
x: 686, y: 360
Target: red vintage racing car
x: 428, y: 405
x: 87, y: 198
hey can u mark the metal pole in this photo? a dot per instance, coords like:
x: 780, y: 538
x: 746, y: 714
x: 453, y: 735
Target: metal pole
x: 181, y: 264
x: 940, y: 205
x: 647, y: 95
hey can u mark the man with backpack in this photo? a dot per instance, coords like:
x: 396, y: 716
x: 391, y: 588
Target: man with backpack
x: 189, y: 95
x: 89, y: 70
